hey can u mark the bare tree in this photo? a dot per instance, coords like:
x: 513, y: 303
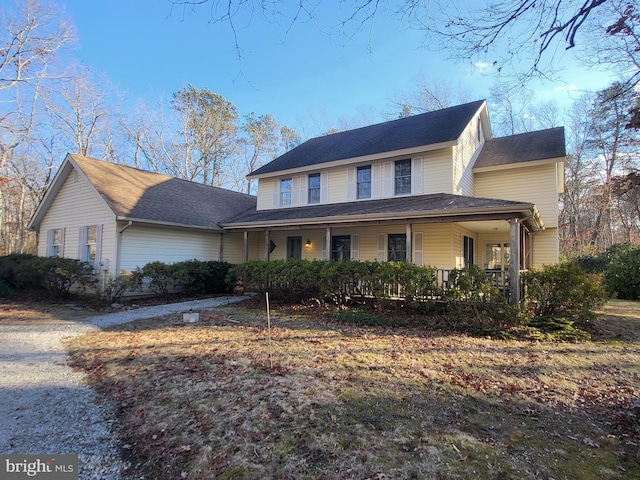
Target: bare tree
x: 208, y: 132
x: 80, y: 114
x: 259, y: 145
x: 31, y: 35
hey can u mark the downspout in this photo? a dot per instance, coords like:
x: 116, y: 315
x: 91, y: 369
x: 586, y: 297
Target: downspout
x: 119, y: 248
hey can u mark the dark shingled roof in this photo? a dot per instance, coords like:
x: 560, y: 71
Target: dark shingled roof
x: 439, y: 204
x: 419, y: 130
x: 135, y: 194
x: 525, y: 147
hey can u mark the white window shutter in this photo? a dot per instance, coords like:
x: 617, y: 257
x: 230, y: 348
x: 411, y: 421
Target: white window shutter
x: 304, y: 189
x: 351, y: 183
x: 49, y: 242
x: 376, y: 180
x: 382, y: 247
x: 295, y: 181
x: 416, y: 176
x: 388, y: 180
x: 418, y: 255
x: 96, y: 265
x: 324, y: 187
x: 355, y: 247
x: 276, y: 193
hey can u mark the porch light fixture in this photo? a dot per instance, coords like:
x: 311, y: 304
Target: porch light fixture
x: 308, y: 244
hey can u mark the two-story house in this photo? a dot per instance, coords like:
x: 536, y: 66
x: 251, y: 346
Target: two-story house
x: 434, y: 189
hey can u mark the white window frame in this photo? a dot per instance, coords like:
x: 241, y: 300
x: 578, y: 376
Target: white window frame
x: 396, y: 191
x: 85, y: 246
x: 358, y: 182
x: 284, y: 193
x: 311, y: 198
x: 55, y: 248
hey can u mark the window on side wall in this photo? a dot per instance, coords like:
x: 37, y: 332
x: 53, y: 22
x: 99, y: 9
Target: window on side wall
x: 55, y: 243
x: 314, y: 188
x: 285, y: 192
x: 89, y: 244
x: 397, y: 247
x: 402, y: 177
x: 364, y: 182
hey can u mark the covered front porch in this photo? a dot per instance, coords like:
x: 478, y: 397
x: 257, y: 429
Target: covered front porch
x: 441, y: 231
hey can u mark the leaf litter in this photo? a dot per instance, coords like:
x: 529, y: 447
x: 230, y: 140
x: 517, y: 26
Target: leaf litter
x: 337, y: 401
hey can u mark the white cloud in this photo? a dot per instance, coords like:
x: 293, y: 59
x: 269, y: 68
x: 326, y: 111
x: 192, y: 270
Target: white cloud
x: 566, y: 88
x: 482, y: 66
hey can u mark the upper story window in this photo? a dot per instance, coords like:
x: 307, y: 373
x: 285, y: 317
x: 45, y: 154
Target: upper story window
x: 403, y: 177
x: 364, y: 182
x: 285, y: 192
x: 314, y: 188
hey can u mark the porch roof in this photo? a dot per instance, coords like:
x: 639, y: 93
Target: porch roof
x: 423, y: 208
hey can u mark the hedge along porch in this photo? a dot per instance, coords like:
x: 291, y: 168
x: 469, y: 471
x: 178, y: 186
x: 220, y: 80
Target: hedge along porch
x: 442, y: 231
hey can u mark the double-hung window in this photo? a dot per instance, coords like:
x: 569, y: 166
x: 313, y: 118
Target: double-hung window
x: 89, y: 244
x: 397, y: 244
x: 55, y: 243
x: 314, y: 188
x: 364, y: 182
x: 341, y: 248
x: 402, y: 177
x: 285, y: 192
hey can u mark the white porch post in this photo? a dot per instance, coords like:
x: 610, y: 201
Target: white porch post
x: 267, y: 244
x: 409, y: 243
x: 327, y: 253
x: 514, y: 264
x: 246, y: 245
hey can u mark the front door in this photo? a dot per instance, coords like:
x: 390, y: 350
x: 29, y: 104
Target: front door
x: 294, y: 247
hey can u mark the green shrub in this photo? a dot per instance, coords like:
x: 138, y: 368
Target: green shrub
x: 159, y: 277
x: 562, y: 291
x: 622, y: 276
x: 61, y: 274
x: 22, y: 272
x: 115, y: 287
x: 201, y: 277
x: 57, y: 276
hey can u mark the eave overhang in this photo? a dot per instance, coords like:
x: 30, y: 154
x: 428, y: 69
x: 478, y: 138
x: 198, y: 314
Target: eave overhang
x: 526, y: 212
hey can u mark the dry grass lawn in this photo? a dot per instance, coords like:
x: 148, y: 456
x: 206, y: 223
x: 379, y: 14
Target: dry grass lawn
x: 325, y: 400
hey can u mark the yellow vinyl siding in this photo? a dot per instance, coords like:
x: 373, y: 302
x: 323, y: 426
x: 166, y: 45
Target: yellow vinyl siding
x: 536, y: 184
x: 337, y: 185
x: 437, y: 172
x: 546, y: 250
x: 464, y: 154
x: 265, y: 193
x: 143, y: 244
x: 75, y: 206
x: 233, y: 248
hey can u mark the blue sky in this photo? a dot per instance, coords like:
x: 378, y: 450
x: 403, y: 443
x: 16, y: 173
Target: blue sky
x: 147, y: 50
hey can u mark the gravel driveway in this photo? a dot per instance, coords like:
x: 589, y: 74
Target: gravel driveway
x: 46, y: 406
